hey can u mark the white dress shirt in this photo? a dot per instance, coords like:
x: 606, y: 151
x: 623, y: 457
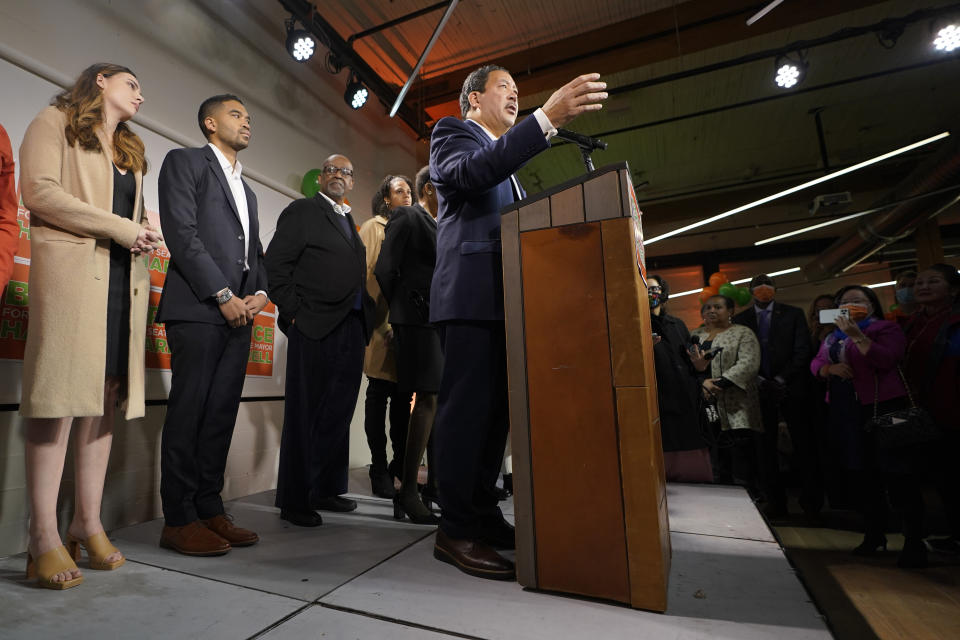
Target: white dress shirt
x: 233, y: 175
x: 342, y: 209
x: 545, y: 125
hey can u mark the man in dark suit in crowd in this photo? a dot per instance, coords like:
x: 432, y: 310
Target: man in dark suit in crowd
x: 785, y: 355
x: 472, y: 166
x: 316, y: 266
x: 214, y: 287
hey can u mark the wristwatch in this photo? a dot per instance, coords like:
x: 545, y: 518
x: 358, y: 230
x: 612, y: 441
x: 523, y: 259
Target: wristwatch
x: 223, y: 295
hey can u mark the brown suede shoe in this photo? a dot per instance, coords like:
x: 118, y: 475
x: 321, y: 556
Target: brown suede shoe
x: 223, y: 526
x: 193, y: 539
x: 473, y: 557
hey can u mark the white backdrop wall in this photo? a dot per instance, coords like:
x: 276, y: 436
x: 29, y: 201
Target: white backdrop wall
x: 183, y: 52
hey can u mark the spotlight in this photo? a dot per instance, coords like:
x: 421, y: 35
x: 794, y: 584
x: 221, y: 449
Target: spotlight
x: 948, y: 38
x: 356, y: 94
x: 300, y: 43
x: 790, y: 72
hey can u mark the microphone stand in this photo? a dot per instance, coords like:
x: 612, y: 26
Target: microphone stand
x: 586, y: 144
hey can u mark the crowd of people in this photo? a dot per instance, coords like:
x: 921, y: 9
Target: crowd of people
x: 413, y: 299
x: 830, y: 384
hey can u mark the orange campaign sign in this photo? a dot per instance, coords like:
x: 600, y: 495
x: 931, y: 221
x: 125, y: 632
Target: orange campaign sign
x: 14, y: 303
x: 14, y: 311
x: 260, y: 361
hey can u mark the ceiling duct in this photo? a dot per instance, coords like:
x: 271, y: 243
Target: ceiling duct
x: 878, y: 230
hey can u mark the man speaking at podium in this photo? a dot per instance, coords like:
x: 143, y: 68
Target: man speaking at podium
x: 472, y: 166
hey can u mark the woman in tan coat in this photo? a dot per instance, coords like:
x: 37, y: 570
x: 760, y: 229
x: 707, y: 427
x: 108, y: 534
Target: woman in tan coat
x: 81, y: 170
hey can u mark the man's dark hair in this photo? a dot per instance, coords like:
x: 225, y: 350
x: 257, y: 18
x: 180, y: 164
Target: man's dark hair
x: 421, y: 180
x: 208, y: 106
x: 761, y: 279
x: 476, y: 81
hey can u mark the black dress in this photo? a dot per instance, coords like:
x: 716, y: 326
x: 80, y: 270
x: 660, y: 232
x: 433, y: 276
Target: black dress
x: 118, y: 296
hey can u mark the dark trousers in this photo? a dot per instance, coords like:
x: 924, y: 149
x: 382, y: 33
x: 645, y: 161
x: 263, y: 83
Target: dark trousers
x: 209, y: 363
x: 796, y: 414
x: 471, y: 426
x: 379, y: 392
x: 323, y: 382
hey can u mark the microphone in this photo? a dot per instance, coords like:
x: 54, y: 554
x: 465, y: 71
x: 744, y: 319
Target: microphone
x: 584, y: 142
x: 713, y: 353
x: 694, y: 343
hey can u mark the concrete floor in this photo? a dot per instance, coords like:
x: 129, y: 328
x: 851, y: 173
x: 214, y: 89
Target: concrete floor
x: 365, y: 575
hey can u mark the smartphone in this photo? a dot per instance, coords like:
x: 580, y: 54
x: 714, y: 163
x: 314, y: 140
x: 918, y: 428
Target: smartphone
x: 829, y: 316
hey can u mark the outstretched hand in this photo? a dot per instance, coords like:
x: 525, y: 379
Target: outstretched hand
x: 582, y: 94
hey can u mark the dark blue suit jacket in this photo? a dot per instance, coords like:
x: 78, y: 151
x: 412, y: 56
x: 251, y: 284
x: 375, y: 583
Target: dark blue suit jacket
x: 472, y: 175
x: 201, y: 228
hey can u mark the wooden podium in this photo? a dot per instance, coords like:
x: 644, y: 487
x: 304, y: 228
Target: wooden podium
x: 590, y: 497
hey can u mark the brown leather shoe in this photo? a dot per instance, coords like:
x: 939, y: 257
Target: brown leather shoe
x: 193, y: 539
x: 473, y: 558
x: 223, y: 526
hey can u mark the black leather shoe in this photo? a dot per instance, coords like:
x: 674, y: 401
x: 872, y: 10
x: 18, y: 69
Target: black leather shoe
x: 499, y: 535
x: 473, y: 558
x: 381, y: 482
x: 301, y: 518
x: 335, y: 503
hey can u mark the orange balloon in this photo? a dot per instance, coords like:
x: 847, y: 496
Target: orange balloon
x: 708, y: 292
x: 718, y: 279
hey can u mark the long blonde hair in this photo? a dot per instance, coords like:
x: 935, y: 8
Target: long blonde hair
x: 83, y: 105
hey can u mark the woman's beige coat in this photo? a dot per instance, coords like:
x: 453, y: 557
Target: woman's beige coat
x: 379, y: 358
x: 69, y: 192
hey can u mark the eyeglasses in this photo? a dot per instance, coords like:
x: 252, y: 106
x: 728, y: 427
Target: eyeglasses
x: 655, y: 289
x: 346, y: 172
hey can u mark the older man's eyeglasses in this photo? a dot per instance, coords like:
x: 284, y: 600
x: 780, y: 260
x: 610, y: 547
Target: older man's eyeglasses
x: 346, y: 172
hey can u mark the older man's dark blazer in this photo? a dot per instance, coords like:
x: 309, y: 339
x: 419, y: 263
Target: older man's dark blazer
x: 472, y: 173
x: 201, y: 228
x: 315, y: 269
x: 788, y: 343
x: 404, y: 269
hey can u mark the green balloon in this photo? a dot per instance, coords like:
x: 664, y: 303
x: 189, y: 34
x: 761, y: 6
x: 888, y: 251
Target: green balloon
x: 727, y: 289
x: 743, y: 296
x: 310, y: 184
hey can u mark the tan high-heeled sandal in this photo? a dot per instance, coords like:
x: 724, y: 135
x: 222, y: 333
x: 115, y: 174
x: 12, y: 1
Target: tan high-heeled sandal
x: 49, y: 564
x: 98, y: 547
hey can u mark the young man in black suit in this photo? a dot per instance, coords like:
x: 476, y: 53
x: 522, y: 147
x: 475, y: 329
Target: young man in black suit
x: 785, y: 355
x: 214, y: 287
x: 316, y: 266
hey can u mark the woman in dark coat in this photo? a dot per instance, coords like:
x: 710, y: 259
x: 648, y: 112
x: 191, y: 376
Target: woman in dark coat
x: 686, y: 453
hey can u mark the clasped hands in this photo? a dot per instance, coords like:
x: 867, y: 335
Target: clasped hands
x: 239, y: 311
x: 148, y: 240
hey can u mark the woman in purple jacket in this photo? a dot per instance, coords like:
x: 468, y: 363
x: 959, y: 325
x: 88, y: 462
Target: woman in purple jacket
x: 860, y: 361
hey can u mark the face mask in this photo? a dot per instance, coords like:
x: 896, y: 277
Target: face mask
x: 655, y: 299
x: 763, y: 293
x: 905, y: 295
x: 857, y: 312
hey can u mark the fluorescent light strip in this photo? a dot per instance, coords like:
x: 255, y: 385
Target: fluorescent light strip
x: 812, y: 227
x: 882, y: 284
x: 759, y: 14
x: 799, y: 187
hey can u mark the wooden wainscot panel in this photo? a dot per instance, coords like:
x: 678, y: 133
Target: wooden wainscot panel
x: 566, y: 207
x: 601, y: 197
x: 641, y: 460
x: 573, y: 433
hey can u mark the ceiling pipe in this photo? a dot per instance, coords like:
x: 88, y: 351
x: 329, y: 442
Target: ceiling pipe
x: 878, y: 231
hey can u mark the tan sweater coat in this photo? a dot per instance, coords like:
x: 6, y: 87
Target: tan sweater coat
x: 379, y: 359
x: 69, y: 192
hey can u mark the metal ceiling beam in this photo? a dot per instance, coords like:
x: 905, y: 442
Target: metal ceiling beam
x: 392, y: 23
x: 307, y: 15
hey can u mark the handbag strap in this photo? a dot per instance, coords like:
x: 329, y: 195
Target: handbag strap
x: 906, y: 385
